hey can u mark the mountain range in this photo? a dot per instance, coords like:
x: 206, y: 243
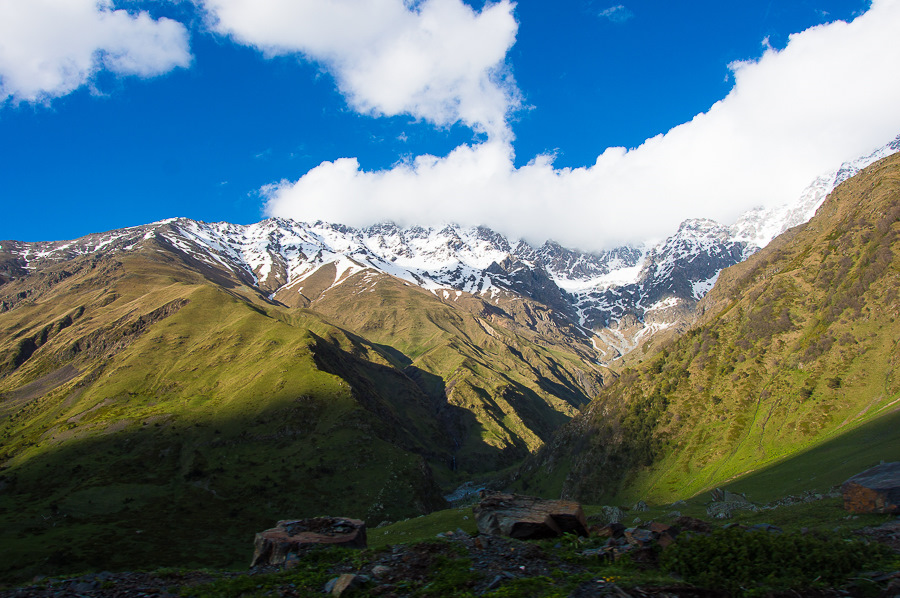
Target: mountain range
x: 181, y: 375
x: 649, y: 287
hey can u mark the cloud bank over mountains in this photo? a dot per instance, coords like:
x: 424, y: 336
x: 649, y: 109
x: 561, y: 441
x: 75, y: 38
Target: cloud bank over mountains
x: 791, y: 115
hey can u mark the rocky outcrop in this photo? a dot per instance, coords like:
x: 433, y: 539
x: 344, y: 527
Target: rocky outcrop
x: 875, y: 490
x: 529, y: 518
x: 725, y: 503
x: 273, y: 546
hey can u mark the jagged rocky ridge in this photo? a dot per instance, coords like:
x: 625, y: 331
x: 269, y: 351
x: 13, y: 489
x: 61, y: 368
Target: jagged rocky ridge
x: 620, y: 297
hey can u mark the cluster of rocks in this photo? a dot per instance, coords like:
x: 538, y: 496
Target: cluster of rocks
x: 495, y: 560
x: 123, y: 584
x: 725, y: 503
x: 499, y: 552
x: 636, y: 541
x: 876, y: 490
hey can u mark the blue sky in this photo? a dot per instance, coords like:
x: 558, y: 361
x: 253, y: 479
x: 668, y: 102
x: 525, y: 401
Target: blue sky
x: 492, y: 113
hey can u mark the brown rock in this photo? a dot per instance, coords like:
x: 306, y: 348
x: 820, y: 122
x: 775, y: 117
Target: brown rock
x: 639, y: 536
x: 272, y: 546
x: 610, y: 530
x: 527, y: 517
x: 875, y: 490
x: 692, y: 524
x: 665, y: 539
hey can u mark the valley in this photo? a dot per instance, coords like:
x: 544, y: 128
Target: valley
x: 179, y: 377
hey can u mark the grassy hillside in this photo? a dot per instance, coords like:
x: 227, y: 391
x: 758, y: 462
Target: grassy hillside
x: 796, y: 346
x: 503, y: 373
x: 148, y: 397
x: 143, y: 403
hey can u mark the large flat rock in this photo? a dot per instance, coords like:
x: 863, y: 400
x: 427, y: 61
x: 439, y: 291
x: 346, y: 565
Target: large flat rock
x: 527, y: 517
x: 875, y: 490
x: 272, y: 546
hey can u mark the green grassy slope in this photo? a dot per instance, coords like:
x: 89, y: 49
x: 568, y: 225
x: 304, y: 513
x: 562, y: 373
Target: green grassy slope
x: 798, y: 346
x: 505, y: 381
x: 155, y: 408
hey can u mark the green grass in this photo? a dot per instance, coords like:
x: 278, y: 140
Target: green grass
x: 218, y: 413
x: 423, y: 527
x: 828, y: 464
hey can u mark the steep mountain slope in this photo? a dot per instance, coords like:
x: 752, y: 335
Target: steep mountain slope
x: 796, y: 345
x: 148, y: 384
x: 140, y: 396
x: 634, y: 311
x: 506, y: 362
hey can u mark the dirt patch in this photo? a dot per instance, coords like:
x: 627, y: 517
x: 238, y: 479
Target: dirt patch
x: 44, y: 384
x: 38, y: 388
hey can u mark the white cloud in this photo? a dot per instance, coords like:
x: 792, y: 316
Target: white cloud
x: 49, y: 48
x: 616, y: 14
x: 437, y: 60
x: 831, y: 95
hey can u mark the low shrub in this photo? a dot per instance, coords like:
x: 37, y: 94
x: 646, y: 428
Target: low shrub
x: 748, y: 563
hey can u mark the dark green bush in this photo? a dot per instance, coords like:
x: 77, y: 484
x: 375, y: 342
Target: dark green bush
x: 750, y: 563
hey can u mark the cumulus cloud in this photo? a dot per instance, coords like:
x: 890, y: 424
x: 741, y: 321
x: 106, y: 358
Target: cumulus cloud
x: 437, y: 60
x: 830, y: 95
x: 49, y: 48
x: 616, y: 14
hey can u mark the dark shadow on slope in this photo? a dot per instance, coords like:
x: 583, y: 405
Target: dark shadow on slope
x: 393, y: 353
x: 413, y: 401
x: 828, y: 464
x: 192, y: 493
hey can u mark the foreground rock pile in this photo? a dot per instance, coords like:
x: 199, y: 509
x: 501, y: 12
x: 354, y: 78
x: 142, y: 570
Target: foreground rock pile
x: 572, y: 547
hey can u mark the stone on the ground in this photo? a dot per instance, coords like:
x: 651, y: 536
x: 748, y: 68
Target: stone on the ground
x: 692, y: 524
x: 875, y: 490
x: 639, y: 536
x: 273, y: 546
x: 610, y: 530
x: 724, y: 503
x: 725, y: 509
x: 640, y: 506
x: 527, y: 517
x: 345, y: 584
x: 613, y: 514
